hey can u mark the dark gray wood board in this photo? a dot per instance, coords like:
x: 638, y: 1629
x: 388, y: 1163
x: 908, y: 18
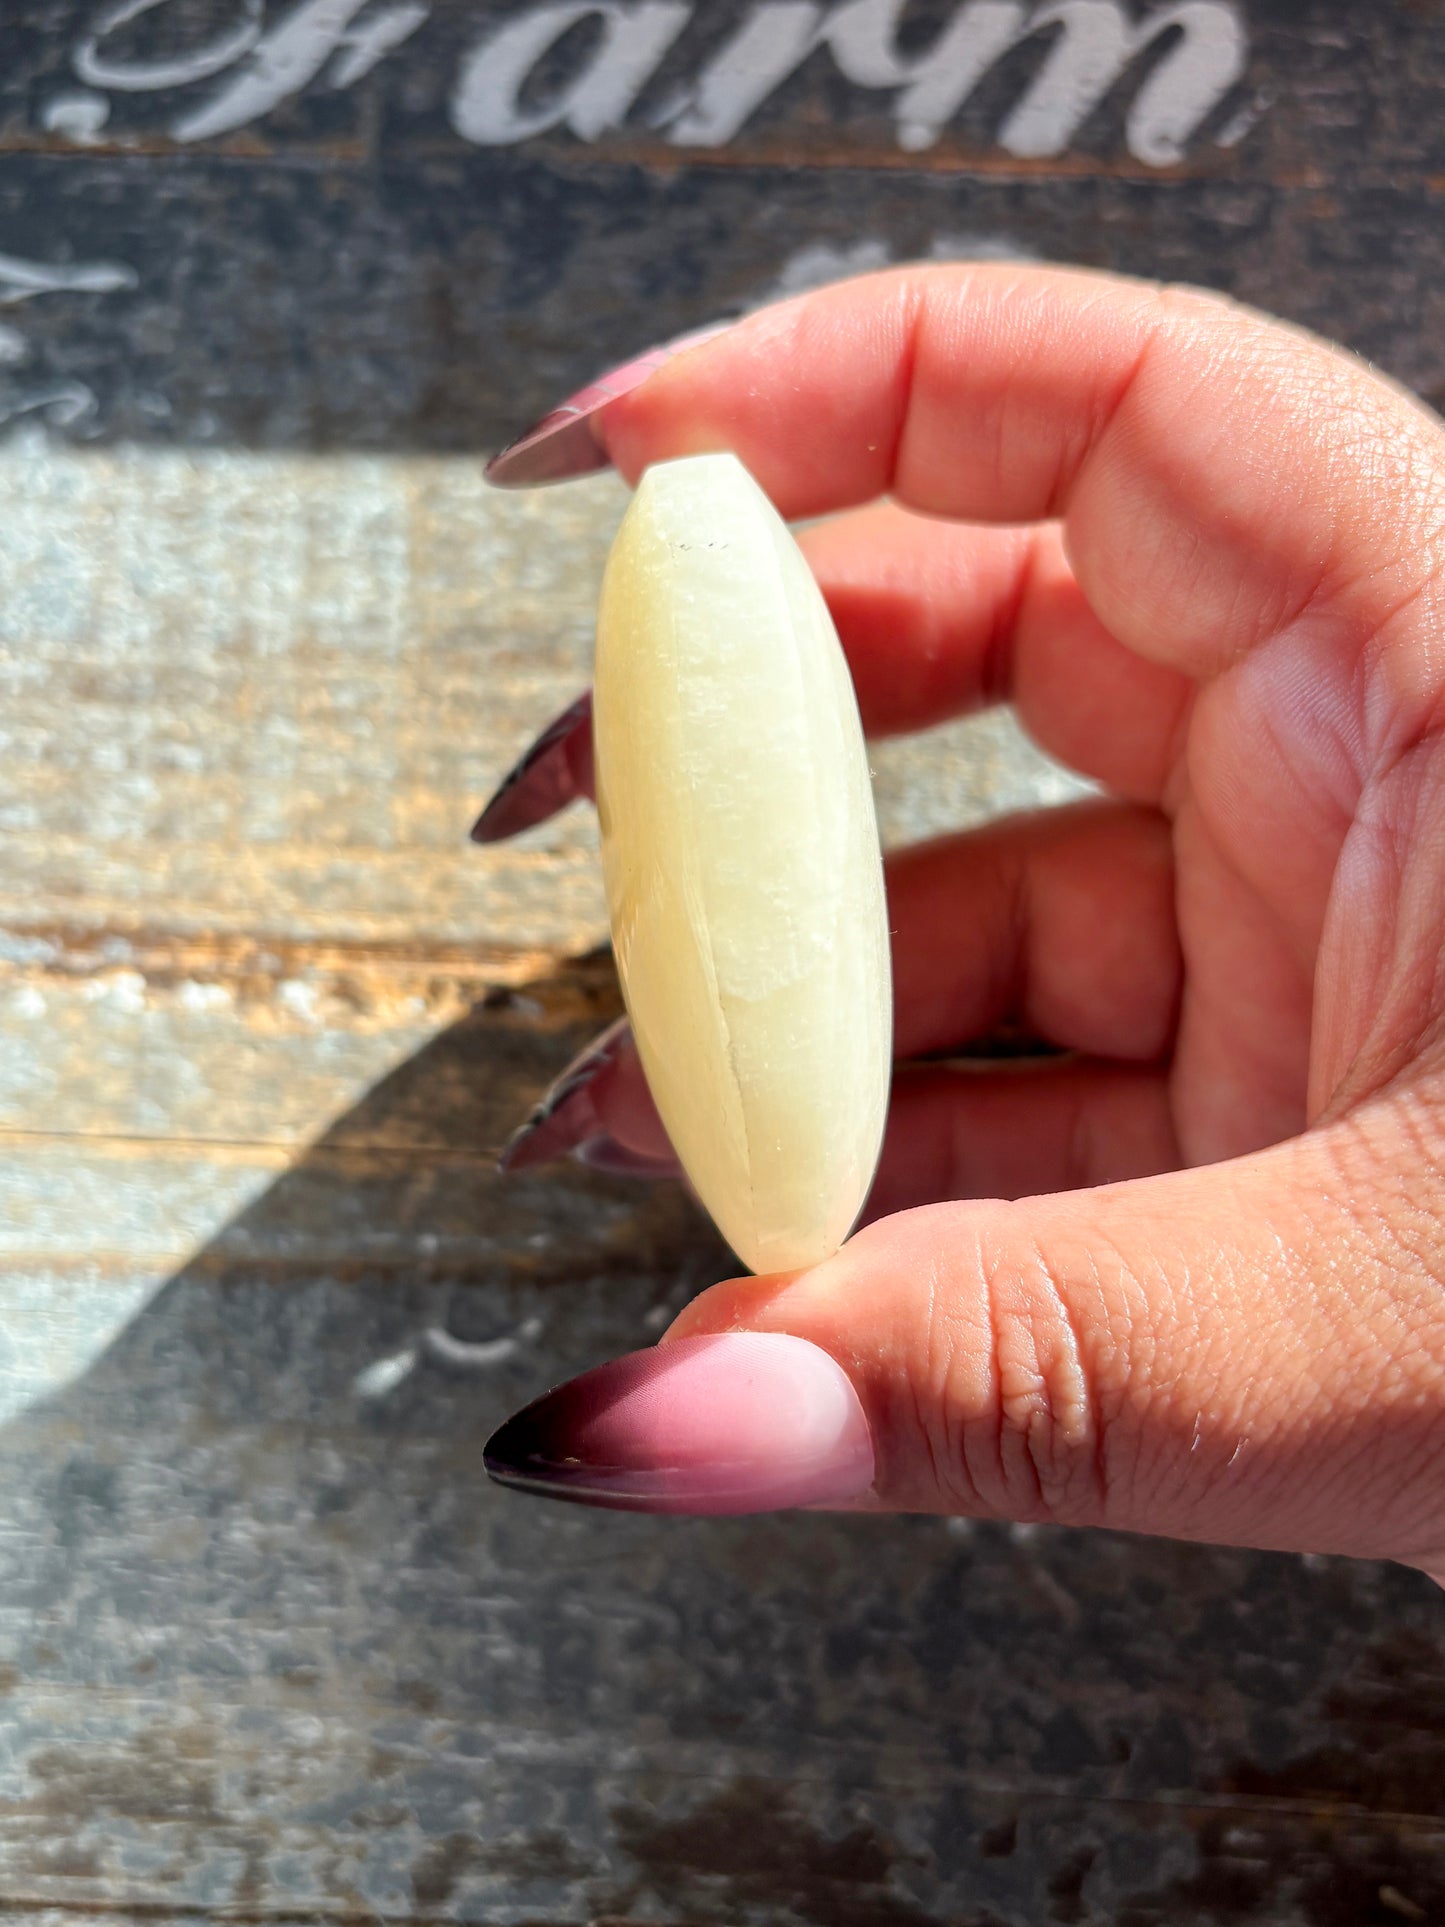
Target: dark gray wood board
x: 343, y: 264
x: 274, y: 1651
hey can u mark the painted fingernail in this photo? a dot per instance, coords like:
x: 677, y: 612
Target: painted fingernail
x: 604, y: 1153
x: 553, y: 773
x: 730, y: 1422
x: 562, y: 445
x: 565, y: 1117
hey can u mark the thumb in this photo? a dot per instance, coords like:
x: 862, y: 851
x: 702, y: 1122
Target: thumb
x: 1253, y: 1352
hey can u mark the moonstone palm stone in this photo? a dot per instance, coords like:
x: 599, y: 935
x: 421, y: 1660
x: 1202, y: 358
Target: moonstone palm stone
x: 740, y: 849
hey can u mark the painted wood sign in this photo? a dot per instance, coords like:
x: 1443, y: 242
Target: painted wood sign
x: 403, y: 223
x: 272, y: 1650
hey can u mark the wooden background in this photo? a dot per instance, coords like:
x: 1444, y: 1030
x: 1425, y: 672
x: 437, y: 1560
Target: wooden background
x: 271, y: 1650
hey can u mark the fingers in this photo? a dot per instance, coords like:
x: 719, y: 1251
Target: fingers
x: 927, y: 611
x: 553, y: 772
x: 1068, y: 930
x: 959, y: 1130
x: 598, y: 1110
x: 1250, y: 1353
x: 1062, y: 920
x: 989, y: 1130
x: 1217, y: 474
x: 938, y: 619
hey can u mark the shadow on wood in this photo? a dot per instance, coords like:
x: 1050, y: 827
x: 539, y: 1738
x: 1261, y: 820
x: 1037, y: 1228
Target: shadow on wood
x: 276, y: 1649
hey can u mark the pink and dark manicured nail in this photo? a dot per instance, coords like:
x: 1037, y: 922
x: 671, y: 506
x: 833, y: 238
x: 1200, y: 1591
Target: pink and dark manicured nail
x: 567, y: 1122
x: 562, y: 445
x: 606, y: 1154
x: 554, y: 772
x: 729, y: 1423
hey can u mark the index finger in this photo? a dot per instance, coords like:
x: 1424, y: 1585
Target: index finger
x: 1217, y: 474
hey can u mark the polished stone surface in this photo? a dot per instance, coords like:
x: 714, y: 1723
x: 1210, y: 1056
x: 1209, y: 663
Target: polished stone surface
x: 740, y: 851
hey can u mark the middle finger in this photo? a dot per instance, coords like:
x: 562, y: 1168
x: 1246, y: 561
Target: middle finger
x: 938, y: 619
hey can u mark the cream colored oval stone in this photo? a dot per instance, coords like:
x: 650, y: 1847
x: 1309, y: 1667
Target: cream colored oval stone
x: 740, y: 849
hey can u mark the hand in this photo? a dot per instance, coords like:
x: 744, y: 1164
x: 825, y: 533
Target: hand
x: 1190, y: 1278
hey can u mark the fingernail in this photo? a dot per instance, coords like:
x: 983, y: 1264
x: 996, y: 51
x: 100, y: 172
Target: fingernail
x: 562, y: 445
x: 553, y: 773
x: 729, y: 1422
x: 566, y: 1117
x: 605, y: 1153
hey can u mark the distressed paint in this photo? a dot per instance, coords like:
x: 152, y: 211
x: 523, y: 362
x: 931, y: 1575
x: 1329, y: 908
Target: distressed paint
x: 387, y: 282
x: 269, y: 1645
x: 264, y: 61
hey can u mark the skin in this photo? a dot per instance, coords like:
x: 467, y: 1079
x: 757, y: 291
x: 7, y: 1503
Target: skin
x: 1191, y: 1279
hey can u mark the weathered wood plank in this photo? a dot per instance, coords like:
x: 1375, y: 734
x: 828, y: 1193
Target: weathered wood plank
x: 422, y: 251
x: 468, y: 334
x: 269, y: 694
x: 273, y: 1645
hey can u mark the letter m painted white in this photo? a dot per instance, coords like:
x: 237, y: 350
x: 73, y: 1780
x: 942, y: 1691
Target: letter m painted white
x: 1098, y: 42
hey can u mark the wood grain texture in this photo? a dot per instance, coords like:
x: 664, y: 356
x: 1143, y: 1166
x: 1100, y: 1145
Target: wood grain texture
x: 270, y: 1646
x: 271, y: 1649
x: 269, y: 694
x: 346, y: 270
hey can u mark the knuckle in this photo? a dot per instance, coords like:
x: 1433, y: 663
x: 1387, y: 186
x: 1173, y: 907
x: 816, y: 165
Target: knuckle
x: 1386, y: 1176
x: 1015, y: 1425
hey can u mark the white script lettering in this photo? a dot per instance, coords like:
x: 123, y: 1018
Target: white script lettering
x: 486, y: 107
x: 22, y: 280
x: 1097, y: 45
x: 151, y: 76
x: 1096, y: 42
x: 1192, y: 54
x: 863, y: 37
x: 772, y: 43
x: 291, y: 56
